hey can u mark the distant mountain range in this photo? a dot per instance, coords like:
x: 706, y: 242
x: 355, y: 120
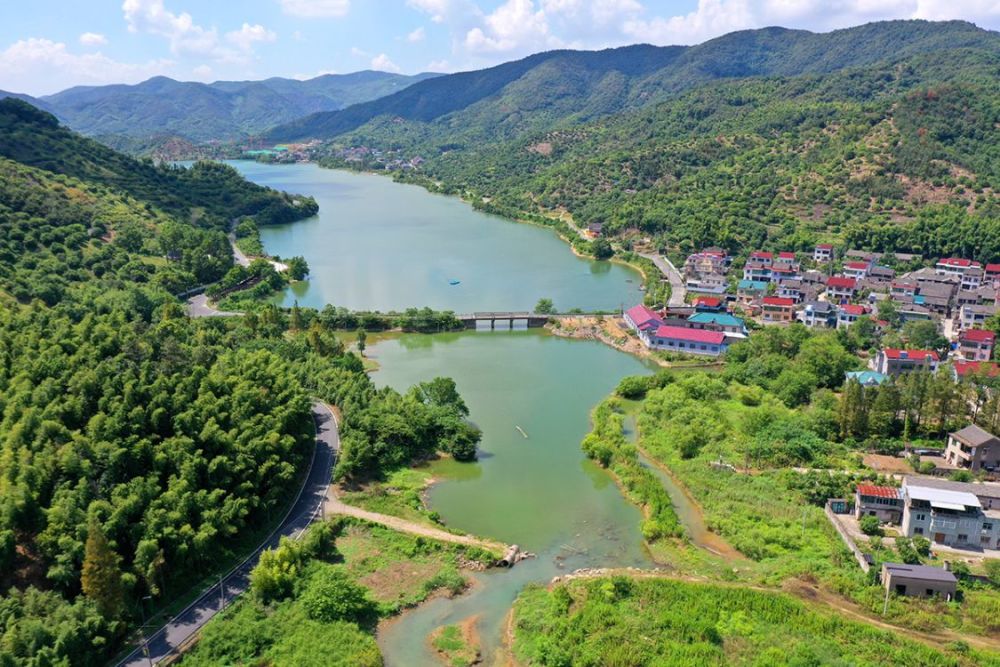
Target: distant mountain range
x: 224, y: 110
x: 560, y: 88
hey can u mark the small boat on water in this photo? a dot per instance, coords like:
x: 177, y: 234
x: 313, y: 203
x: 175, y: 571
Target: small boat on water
x: 521, y: 430
x: 454, y: 282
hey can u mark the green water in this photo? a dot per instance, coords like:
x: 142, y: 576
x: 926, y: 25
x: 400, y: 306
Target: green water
x: 540, y: 493
x: 380, y: 245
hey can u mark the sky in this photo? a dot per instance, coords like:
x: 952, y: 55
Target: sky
x: 49, y: 45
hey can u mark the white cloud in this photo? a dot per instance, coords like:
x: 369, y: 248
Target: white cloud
x: 248, y: 35
x: 41, y: 66
x: 359, y: 53
x: 513, y: 25
x: 93, y: 39
x: 202, y: 72
x: 383, y: 63
x: 316, y: 8
x: 187, y: 38
x: 417, y: 35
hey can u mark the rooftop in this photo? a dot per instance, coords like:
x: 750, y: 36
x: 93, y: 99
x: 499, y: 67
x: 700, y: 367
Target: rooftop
x: 841, y: 281
x: 923, y: 572
x: 778, y: 301
x: 976, y: 489
x: 866, y: 378
x: 852, y: 309
x: 941, y: 498
x: 722, y: 319
x: 973, y: 435
x: 958, y: 262
x: 641, y: 314
x: 978, y: 335
x: 878, y: 491
x: 893, y: 353
x: 691, y: 335
x: 989, y: 368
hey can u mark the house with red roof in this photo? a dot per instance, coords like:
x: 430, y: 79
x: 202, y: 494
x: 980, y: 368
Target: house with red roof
x: 891, y: 361
x: 969, y: 271
x: 642, y: 318
x: 883, y: 502
x: 841, y: 289
x: 857, y: 270
x: 848, y: 314
x: 991, y: 274
x: 823, y: 252
x: 976, y: 344
x: 702, y: 342
x: 709, y: 304
x: 777, y: 309
x: 966, y: 370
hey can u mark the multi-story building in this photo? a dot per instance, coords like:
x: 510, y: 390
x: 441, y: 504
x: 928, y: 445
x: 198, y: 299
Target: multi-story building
x: 841, y: 289
x: 955, y: 266
x: 823, y: 252
x: 956, y: 514
x: 848, y: 314
x: 891, y: 361
x: 777, y: 309
x: 856, y: 270
x: 976, y: 344
x: 701, y: 342
x: 818, y: 314
x: 971, y: 316
x: 973, y: 448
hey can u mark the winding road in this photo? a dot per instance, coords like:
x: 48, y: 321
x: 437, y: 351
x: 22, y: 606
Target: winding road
x: 677, y: 288
x: 171, y: 638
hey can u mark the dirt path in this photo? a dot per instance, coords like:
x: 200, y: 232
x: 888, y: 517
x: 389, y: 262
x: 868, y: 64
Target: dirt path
x: 335, y: 506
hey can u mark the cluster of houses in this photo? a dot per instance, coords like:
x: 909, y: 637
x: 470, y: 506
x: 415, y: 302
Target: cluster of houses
x: 704, y: 329
x: 958, y: 294
x: 374, y: 157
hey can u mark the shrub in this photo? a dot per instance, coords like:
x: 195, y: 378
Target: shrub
x: 870, y: 525
x: 331, y: 596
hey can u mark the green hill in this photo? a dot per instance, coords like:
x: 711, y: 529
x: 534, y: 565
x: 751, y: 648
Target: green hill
x: 559, y: 88
x: 73, y: 210
x: 223, y: 110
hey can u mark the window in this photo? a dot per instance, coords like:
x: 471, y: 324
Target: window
x: 930, y: 592
x: 901, y: 589
x: 987, y: 526
x: 918, y: 531
x: 921, y: 517
x: 963, y: 538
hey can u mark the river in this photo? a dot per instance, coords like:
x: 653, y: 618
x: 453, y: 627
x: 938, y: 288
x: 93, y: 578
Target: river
x: 380, y: 245
x: 539, y: 491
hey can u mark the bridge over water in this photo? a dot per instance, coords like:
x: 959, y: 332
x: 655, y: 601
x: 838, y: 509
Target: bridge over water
x: 531, y: 320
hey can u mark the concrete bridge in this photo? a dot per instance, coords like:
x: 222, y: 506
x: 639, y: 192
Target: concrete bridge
x: 532, y: 320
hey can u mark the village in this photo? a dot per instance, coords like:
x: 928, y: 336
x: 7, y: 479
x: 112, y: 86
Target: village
x: 944, y: 499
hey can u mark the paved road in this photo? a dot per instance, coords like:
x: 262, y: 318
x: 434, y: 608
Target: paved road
x: 677, y: 289
x: 238, y: 255
x: 197, y: 306
x: 307, y: 506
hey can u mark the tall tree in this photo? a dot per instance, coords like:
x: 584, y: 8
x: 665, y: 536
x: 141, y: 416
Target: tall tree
x: 102, y: 577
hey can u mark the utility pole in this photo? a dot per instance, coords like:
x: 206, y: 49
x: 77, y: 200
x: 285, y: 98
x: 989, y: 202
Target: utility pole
x: 885, y: 606
x: 222, y: 595
x: 142, y: 630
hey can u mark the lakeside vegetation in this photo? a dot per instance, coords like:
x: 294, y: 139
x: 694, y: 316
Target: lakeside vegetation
x: 318, y: 601
x: 142, y: 451
x: 735, y: 439
x: 647, y: 621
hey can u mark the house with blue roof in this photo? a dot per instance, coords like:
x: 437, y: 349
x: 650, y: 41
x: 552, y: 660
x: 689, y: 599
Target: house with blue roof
x: 866, y: 378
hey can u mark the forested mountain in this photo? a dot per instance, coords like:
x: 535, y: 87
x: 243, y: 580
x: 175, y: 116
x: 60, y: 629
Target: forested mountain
x: 897, y: 155
x: 224, y: 110
x: 142, y: 451
x: 559, y: 88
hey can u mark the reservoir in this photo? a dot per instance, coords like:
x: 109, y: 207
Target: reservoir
x: 380, y: 245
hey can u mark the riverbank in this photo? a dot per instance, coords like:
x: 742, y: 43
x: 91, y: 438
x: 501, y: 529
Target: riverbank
x: 612, y: 331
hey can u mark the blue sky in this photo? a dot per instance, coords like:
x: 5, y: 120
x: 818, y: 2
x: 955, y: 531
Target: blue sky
x: 49, y: 45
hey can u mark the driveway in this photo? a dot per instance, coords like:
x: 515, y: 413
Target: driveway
x: 678, y: 291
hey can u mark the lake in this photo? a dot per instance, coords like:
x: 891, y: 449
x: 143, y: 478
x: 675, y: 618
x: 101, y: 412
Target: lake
x: 377, y: 244
x: 380, y: 245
